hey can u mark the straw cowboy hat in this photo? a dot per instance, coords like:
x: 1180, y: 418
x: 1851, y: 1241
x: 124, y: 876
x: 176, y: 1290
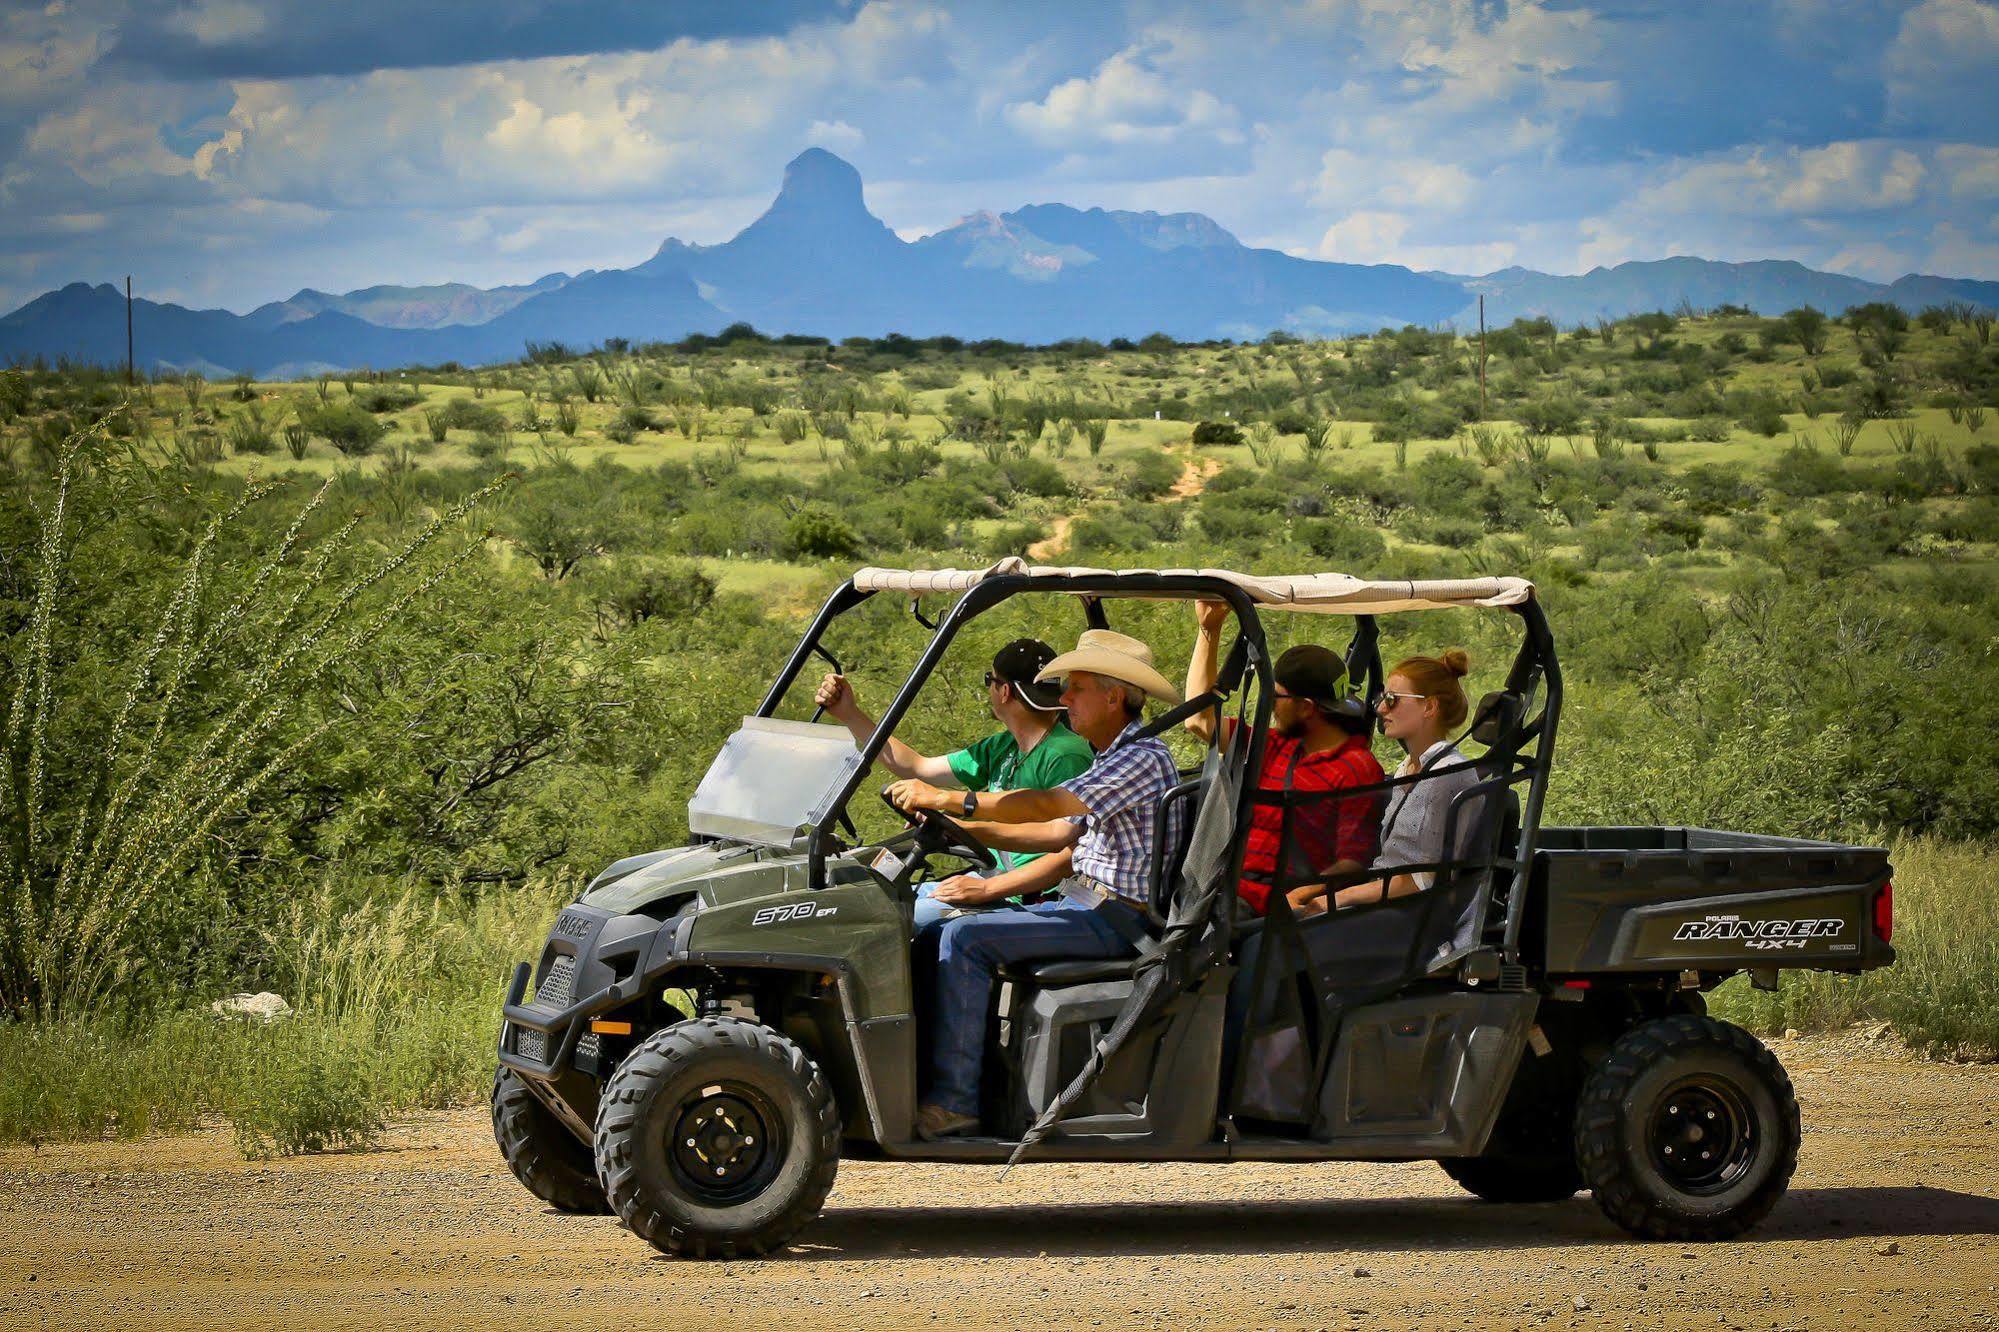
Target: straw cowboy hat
x: 1119, y: 656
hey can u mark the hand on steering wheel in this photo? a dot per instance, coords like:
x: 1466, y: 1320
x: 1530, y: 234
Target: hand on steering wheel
x: 942, y: 833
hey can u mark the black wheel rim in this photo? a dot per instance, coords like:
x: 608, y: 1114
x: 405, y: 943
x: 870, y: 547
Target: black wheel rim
x: 727, y: 1143
x: 1703, y: 1136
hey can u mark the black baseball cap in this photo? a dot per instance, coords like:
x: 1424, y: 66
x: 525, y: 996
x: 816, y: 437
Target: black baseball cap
x: 1313, y: 672
x: 1019, y: 662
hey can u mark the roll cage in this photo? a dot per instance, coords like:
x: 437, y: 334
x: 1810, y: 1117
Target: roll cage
x: 1522, y: 717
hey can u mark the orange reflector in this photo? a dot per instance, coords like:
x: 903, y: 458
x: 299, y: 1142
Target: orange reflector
x: 607, y: 1028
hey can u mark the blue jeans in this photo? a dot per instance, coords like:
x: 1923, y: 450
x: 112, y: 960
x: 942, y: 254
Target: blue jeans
x: 930, y: 911
x: 970, y: 951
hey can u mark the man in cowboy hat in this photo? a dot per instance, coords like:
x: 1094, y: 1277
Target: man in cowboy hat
x: 1033, y: 748
x: 1104, y: 818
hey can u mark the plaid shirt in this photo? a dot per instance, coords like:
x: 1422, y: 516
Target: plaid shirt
x: 1321, y: 831
x: 1122, y: 791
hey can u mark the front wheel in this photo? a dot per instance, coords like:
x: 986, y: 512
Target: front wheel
x: 1688, y: 1130
x: 546, y: 1157
x: 717, y: 1138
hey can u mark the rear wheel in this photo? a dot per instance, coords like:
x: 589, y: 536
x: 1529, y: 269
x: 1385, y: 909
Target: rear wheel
x: 551, y: 1161
x: 717, y: 1138
x: 1688, y: 1130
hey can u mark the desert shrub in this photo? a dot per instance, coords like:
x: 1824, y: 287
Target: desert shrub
x: 1442, y: 530
x: 465, y: 414
x: 1209, y: 433
x: 345, y: 426
x: 386, y: 398
x: 318, y: 1095
x: 1345, y: 546
x: 563, y: 517
x: 1802, y: 471
x: 1150, y: 475
x: 677, y: 591
x: 1012, y: 539
x: 249, y: 432
x: 1717, y: 488
x: 818, y: 533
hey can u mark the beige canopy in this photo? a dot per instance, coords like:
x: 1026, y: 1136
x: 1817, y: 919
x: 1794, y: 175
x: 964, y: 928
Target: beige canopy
x: 1319, y: 593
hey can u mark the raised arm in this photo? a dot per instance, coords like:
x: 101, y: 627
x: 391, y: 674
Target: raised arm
x: 837, y: 697
x: 1205, y: 663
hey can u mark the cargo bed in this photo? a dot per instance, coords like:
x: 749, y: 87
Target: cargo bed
x: 1677, y: 899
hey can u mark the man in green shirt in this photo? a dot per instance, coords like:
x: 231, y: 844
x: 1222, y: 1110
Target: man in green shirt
x: 1032, y: 750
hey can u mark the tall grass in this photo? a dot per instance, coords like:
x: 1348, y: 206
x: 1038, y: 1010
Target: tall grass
x: 1939, y: 996
x: 100, y: 836
x: 397, y: 1000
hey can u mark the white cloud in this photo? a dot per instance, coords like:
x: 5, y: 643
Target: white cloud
x: 1367, y: 237
x: 1347, y: 177
x: 1967, y: 170
x: 1939, y: 69
x: 837, y: 135
x: 1125, y: 101
x: 1854, y: 176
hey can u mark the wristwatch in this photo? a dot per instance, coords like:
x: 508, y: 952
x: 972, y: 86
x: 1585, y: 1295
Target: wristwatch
x: 971, y: 807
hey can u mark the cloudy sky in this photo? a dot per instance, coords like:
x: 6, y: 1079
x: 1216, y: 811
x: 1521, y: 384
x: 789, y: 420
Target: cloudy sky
x: 228, y: 152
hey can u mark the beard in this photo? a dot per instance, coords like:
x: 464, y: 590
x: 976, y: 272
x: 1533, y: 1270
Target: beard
x: 1293, y: 729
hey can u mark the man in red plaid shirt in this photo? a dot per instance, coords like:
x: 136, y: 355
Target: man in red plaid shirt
x: 1310, y: 748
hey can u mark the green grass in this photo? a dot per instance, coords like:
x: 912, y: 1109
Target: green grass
x: 397, y: 1003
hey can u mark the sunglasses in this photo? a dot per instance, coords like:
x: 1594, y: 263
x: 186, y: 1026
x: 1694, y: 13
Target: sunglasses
x: 1389, y: 698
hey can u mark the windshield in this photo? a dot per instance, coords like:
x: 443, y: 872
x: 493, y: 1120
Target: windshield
x: 772, y: 781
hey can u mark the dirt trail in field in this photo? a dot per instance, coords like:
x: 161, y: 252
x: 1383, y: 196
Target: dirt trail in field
x: 1194, y: 478
x: 1892, y: 1220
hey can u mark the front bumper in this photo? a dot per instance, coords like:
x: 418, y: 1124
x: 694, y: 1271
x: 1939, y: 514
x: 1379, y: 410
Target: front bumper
x: 602, y: 958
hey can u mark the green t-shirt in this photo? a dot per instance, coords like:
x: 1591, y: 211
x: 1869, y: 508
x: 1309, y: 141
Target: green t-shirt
x: 996, y: 764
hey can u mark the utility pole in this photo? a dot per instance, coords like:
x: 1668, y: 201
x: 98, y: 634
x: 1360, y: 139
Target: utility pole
x: 1481, y: 358
x: 128, y: 330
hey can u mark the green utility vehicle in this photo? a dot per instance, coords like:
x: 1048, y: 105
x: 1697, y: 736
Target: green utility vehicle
x: 708, y: 1030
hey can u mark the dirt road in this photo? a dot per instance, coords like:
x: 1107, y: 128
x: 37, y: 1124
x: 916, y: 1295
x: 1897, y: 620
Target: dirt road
x: 1893, y: 1220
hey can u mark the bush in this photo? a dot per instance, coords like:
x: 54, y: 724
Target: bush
x: 1012, y: 539
x: 465, y: 414
x: 1766, y: 418
x: 677, y: 592
x: 1217, y: 433
x: 1347, y: 547
x: 1151, y: 475
x: 1442, y: 530
x: 386, y: 398
x: 345, y: 426
x: 816, y: 532
x: 1801, y: 472
x: 319, y: 1098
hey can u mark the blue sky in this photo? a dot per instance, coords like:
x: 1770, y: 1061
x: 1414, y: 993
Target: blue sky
x: 228, y: 152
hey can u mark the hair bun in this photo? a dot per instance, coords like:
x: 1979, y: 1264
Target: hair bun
x: 1457, y: 661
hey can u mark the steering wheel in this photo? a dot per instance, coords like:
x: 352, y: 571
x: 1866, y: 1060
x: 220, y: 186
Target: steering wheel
x: 937, y: 832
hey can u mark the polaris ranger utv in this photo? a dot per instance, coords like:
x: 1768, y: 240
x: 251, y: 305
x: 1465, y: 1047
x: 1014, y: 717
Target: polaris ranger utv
x: 709, y: 1029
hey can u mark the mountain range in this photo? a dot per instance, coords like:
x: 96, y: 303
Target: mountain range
x: 818, y: 262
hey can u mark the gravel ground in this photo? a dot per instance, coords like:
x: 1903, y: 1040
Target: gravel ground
x: 1892, y: 1220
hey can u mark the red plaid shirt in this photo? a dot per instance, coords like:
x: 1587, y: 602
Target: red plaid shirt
x: 1321, y: 831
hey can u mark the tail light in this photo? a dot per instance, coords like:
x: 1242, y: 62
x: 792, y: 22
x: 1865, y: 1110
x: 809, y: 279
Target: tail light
x: 1884, y: 912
